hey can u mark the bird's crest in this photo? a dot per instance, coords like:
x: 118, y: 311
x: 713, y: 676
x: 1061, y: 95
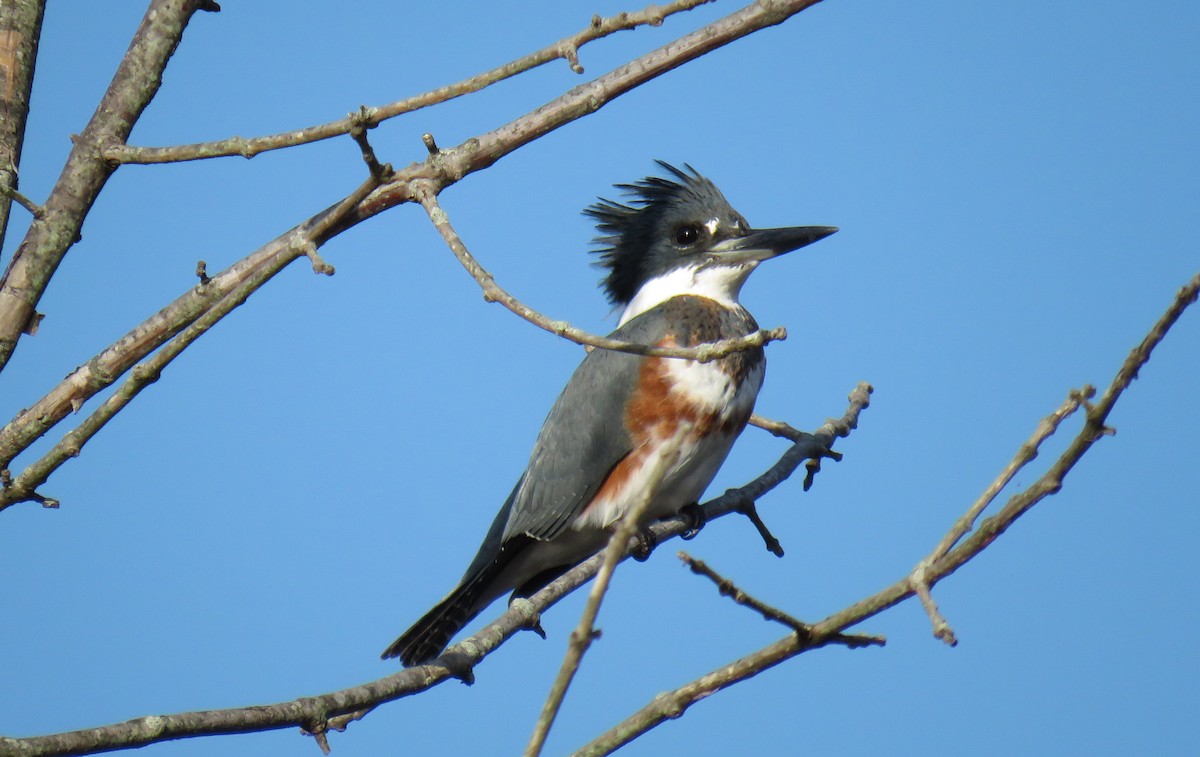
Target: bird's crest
x: 627, y: 231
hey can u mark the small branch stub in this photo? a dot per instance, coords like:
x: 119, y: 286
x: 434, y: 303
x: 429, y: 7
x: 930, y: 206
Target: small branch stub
x: 49, y: 503
x: 362, y: 121
x: 726, y: 588
x: 920, y: 586
x: 35, y: 320
x: 35, y: 210
x: 309, y: 249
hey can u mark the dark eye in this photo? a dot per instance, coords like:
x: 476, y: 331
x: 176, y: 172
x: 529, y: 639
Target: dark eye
x: 686, y: 235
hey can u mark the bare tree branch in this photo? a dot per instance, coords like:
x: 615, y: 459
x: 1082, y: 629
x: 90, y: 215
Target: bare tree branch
x: 566, y: 48
x: 493, y: 292
x: 1024, y: 456
x: 20, y: 30
x: 332, y: 711
x: 585, y: 633
x: 477, y: 153
x: 726, y: 588
x: 12, y: 195
x: 441, y: 169
x: 23, y: 488
x: 133, y: 86
x: 673, y: 704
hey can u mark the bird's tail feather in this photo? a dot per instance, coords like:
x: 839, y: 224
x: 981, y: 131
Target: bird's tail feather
x: 430, y: 635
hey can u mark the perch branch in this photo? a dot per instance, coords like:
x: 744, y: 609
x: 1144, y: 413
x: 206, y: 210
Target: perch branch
x: 313, y: 713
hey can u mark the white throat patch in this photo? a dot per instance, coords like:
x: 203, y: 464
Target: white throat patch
x: 722, y: 283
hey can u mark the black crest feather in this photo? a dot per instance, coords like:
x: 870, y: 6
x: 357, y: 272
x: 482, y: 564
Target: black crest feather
x: 627, y: 230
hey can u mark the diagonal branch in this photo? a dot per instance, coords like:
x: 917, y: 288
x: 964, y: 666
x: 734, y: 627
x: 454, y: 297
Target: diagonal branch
x: 673, y: 704
x: 566, y: 48
x: 23, y: 488
x: 1024, y: 456
x: 726, y: 588
x: 20, y: 30
x: 317, y: 714
x: 86, y: 171
x: 477, y: 153
x: 493, y: 292
x: 585, y: 633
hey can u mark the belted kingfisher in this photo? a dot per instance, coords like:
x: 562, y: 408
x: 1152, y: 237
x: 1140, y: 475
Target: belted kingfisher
x: 677, y: 256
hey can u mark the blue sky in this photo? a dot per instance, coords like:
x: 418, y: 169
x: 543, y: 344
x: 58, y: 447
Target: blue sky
x: 1017, y: 188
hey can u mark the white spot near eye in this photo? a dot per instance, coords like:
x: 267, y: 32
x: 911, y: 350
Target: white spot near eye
x: 712, y: 225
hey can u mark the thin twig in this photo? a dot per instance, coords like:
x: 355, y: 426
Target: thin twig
x: 775, y: 428
x: 1049, y: 483
x: 750, y: 510
x: 566, y: 49
x: 493, y: 292
x: 727, y: 588
x: 673, y: 704
x: 583, y: 635
x: 1025, y: 455
x: 35, y: 210
x: 379, y: 171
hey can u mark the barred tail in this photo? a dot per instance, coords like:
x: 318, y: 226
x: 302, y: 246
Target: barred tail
x: 479, y: 587
x: 430, y: 635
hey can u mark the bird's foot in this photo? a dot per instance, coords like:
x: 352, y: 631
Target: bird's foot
x: 646, y: 542
x: 535, y: 625
x: 459, y: 666
x: 695, y: 518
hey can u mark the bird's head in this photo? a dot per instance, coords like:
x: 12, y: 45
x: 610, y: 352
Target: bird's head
x: 679, y: 236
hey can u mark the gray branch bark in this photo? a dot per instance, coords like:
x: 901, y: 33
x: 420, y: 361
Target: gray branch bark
x: 20, y: 29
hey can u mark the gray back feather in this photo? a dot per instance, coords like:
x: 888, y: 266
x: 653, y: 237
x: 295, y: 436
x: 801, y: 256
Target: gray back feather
x: 583, y: 439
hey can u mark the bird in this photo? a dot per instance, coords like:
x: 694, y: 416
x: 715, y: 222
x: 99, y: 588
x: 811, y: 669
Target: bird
x: 676, y: 255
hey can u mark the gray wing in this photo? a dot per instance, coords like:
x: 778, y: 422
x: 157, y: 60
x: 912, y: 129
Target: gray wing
x: 583, y: 438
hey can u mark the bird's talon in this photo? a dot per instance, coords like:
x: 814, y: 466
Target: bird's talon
x: 695, y: 520
x: 535, y: 625
x: 646, y: 542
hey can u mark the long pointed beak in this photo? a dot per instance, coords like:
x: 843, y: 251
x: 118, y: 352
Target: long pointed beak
x: 763, y: 244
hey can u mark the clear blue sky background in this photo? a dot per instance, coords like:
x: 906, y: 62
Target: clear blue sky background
x: 1017, y: 186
